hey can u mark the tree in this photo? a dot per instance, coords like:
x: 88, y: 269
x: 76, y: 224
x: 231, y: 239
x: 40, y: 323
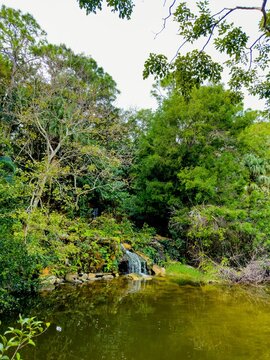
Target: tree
x: 20, y: 35
x: 201, y: 171
x: 181, y: 159
x: 123, y: 7
x: 65, y: 116
x: 61, y: 153
x: 205, y: 24
x: 201, y: 25
x: 59, y: 117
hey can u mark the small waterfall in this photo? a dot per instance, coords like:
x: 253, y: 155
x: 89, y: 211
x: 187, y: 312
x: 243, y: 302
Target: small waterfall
x: 136, y: 264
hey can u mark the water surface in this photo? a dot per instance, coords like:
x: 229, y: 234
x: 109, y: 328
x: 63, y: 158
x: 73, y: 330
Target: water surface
x: 154, y: 320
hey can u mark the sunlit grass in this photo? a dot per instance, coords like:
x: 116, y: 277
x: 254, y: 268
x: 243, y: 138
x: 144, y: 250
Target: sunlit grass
x: 187, y: 275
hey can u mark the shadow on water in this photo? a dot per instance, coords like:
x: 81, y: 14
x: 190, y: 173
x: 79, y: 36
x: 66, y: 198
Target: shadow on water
x: 149, y: 320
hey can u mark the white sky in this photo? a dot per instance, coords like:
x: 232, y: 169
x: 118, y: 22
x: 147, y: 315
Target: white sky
x: 119, y: 46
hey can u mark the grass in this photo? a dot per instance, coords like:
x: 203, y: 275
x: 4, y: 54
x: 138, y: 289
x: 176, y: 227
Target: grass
x: 187, y: 275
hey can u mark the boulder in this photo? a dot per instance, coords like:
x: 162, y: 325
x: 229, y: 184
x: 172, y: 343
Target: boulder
x: 158, y: 270
x: 83, y: 277
x: 91, y: 276
x: 147, y: 278
x: 99, y: 275
x: 134, y: 277
x: 72, y: 278
x: 47, y: 283
x: 59, y: 281
x: 148, y: 261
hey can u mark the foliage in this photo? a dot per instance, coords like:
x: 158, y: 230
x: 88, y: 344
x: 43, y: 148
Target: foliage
x: 29, y: 329
x: 189, y: 153
x: 123, y: 7
x: 63, y: 244
x: 202, y: 169
x: 205, y: 25
x: 62, y: 161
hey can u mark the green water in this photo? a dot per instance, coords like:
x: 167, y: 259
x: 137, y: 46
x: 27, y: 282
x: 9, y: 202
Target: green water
x: 121, y: 320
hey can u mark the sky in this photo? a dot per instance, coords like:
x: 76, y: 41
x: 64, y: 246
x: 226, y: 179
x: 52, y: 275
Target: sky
x: 119, y: 46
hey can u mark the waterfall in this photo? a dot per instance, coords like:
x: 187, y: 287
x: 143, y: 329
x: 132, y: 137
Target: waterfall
x: 136, y: 264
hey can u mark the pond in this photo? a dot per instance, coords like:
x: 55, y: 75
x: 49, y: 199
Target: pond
x: 152, y: 320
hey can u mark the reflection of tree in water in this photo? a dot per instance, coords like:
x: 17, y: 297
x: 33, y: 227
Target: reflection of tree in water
x: 127, y: 320
x: 99, y: 311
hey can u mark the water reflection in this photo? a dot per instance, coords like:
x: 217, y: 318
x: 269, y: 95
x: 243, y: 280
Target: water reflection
x: 153, y: 320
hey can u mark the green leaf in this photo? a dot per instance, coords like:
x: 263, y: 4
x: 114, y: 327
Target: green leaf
x: 31, y: 342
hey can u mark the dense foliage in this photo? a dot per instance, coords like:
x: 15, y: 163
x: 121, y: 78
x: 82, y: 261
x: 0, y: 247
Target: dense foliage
x: 63, y: 157
x: 203, y: 168
x: 76, y: 173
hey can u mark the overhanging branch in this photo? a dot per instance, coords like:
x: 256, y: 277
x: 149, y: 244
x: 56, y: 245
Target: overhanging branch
x: 166, y: 18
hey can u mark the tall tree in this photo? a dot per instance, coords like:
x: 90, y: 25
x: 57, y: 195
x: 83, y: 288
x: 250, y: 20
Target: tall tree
x: 65, y: 130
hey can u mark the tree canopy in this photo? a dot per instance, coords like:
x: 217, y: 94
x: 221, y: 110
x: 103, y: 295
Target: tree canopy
x: 205, y: 25
x: 123, y: 7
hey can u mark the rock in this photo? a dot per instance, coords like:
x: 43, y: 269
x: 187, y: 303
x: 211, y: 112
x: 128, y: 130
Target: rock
x: 77, y: 281
x: 134, y: 277
x: 91, y: 276
x: 99, y: 275
x: 72, y: 278
x: 84, y: 277
x: 145, y: 258
x: 107, y: 277
x: 158, y: 270
x: 47, y: 283
x: 147, y: 277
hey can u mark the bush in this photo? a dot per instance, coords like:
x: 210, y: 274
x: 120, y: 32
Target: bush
x: 18, y: 270
x: 220, y: 231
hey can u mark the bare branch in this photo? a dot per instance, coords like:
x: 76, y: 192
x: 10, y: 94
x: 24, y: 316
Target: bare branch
x: 263, y: 10
x: 178, y: 50
x: 251, y: 50
x: 166, y: 18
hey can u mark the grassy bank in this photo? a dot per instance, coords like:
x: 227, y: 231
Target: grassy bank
x: 188, y: 275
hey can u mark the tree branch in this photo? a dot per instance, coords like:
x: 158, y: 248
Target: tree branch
x: 263, y: 10
x: 251, y: 50
x: 166, y: 18
x: 215, y: 25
